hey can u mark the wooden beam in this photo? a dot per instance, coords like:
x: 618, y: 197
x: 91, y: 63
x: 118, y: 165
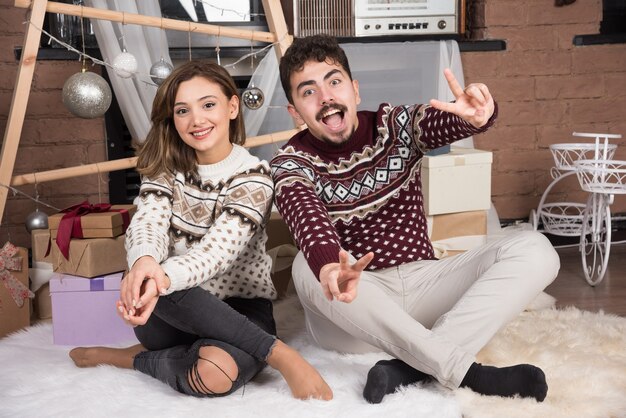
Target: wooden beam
x: 125, y: 163
x: 157, y: 22
x: 277, y: 24
x: 23, y: 83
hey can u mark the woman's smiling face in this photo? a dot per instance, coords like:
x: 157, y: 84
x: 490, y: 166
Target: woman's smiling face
x: 202, y: 115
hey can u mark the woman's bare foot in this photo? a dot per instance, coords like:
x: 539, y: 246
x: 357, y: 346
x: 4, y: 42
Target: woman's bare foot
x: 94, y: 356
x: 303, y: 379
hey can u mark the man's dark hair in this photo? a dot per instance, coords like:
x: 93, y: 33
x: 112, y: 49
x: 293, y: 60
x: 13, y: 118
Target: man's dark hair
x: 318, y: 48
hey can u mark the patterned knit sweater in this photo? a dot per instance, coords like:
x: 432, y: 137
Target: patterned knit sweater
x: 365, y: 194
x: 208, y: 230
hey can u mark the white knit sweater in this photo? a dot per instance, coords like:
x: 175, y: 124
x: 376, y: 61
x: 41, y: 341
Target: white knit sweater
x: 208, y: 231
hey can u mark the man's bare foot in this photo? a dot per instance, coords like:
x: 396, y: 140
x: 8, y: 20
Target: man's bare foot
x: 94, y: 356
x: 303, y: 379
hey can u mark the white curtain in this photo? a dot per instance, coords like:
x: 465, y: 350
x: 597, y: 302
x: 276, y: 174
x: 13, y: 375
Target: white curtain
x: 147, y: 44
x: 394, y: 72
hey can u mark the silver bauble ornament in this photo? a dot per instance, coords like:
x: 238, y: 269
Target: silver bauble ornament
x: 125, y: 64
x: 253, y: 97
x: 160, y: 70
x: 36, y: 220
x: 87, y: 95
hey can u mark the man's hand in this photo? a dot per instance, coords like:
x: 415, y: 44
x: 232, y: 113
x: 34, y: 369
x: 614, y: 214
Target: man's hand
x: 473, y: 104
x: 339, y: 280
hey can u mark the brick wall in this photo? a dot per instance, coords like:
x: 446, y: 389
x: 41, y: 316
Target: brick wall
x: 546, y: 88
x: 52, y: 138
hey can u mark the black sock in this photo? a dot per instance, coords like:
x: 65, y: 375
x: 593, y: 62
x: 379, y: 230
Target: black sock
x: 386, y: 376
x: 524, y: 380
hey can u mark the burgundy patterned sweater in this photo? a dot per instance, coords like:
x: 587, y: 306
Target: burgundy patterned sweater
x: 365, y: 194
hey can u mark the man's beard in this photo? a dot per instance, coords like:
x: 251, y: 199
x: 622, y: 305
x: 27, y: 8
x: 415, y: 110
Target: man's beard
x: 341, y: 140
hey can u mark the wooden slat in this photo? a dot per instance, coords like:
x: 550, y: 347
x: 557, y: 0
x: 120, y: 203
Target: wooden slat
x: 23, y: 83
x: 125, y: 163
x: 278, y: 26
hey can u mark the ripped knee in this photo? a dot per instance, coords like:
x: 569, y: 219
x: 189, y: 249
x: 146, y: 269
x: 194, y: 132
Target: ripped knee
x: 214, y: 373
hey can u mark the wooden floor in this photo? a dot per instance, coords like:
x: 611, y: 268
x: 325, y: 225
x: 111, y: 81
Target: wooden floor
x: 571, y: 289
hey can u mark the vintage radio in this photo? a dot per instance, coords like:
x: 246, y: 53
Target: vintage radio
x: 349, y: 18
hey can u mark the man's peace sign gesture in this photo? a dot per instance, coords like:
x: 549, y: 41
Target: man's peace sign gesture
x: 473, y: 104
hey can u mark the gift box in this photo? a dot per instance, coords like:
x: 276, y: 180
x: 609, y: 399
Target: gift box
x: 282, y: 260
x: 87, y: 257
x: 40, y: 239
x: 14, y: 292
x: 84, y: 311
x: 40, y: 273
x: 455, y: 233
x: 277, y: 232
x: 94, y: 221
x: 458, y: 181
x: 42, y: 305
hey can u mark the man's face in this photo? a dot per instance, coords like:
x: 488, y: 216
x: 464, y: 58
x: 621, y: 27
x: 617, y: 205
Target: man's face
x: 326, y: 100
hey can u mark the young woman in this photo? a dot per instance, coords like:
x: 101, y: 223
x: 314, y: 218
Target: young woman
x: 199, y: 290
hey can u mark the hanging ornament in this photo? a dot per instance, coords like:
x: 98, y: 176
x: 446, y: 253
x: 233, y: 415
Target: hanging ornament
x: 253, y: 97
x: 36, y: 220
x: 125, y: 64
x: 87, y: 95
x: 159, y: 71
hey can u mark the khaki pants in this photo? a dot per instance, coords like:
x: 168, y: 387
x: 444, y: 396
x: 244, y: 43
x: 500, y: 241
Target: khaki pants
x: 434, y: 315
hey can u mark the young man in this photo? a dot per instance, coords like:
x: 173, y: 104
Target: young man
x: 349, y: 189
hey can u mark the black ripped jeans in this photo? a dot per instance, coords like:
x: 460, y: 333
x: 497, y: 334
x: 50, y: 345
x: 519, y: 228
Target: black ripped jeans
x: 186, y: 320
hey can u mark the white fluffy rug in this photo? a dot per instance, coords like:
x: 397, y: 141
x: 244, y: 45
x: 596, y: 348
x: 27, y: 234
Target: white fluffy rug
x: 583, y: 355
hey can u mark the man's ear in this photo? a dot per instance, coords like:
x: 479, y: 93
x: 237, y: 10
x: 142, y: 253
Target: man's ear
x: 294, y: 114
x: 355, y: 85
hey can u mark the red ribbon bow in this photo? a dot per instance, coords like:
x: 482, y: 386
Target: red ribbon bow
x: 70, y: 226
x: 18, y: 291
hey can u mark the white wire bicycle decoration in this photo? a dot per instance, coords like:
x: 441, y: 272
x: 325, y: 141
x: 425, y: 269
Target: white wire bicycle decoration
x: 603, y: 178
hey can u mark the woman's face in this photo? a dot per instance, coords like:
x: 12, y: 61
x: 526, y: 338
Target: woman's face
x: 202, y: 115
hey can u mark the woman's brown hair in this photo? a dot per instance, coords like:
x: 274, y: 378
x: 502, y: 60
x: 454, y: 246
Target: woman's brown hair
x: 164, y: 150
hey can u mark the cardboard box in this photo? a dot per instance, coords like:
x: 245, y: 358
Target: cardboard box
x: 282, y: 260
x: 277, y: 232
x: 42, y: 305
x: 88, y: 257
x: 12, y: 316
x: 458, y: 181
x: 84, y: 312
x: 97, y: 225
x: 455, y: 233
x: 40, y: 238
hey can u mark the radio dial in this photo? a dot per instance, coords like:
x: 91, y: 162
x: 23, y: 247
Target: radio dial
x: 442, y: 24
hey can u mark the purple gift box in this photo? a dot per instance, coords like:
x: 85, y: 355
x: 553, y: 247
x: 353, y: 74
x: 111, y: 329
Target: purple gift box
x: 84, y: 312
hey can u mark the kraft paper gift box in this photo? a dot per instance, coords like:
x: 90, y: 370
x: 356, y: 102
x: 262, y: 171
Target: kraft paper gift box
x: 458, y: 181
x: 84, y: 311
x: 277, y: 232
x: 454, y: 233
x: 87, y: 257
x: 281, y: 247
x: 14, y: 292
x: 282, y: 260
x: 111, y: 220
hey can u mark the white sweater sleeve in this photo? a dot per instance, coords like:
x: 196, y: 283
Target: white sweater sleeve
x: 147, y: 233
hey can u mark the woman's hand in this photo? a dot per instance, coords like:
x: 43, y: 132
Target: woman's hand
x: 131, y: 294
x: 140, y: 315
